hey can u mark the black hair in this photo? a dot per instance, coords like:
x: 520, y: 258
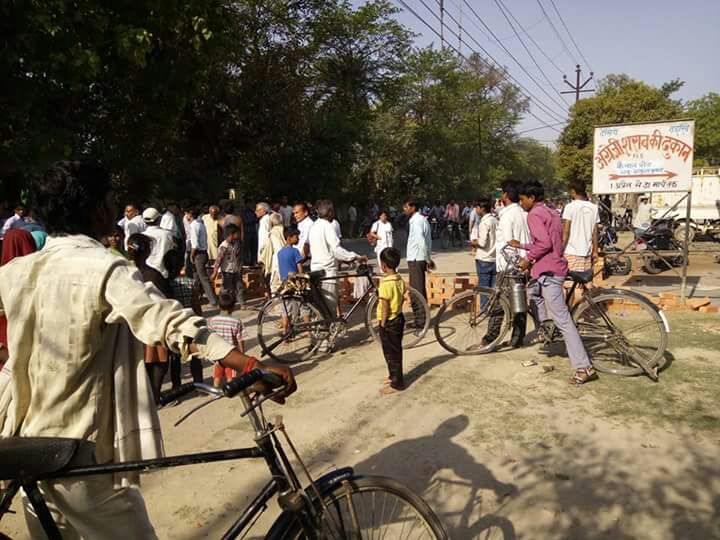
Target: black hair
x: 231, y: 228
x: 412, y: 203
x: 512, y: 188
x: 226, y: 301
x: 139, y: 247
x: 291, y: 231
x: 390, y: 257
x: 533, y: 189
x: 485, y: 203
x: 303, y: 205
x: 578, y: 186
x: 68, y: 196
x: 381, y: 212
x: 325, y: 209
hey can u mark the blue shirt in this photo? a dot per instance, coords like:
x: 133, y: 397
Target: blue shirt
x: 288, y: 259
x: 419, y: 244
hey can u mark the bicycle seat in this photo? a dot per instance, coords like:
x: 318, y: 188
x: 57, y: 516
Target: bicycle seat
x: 581, y: 277
x: 32, y: 457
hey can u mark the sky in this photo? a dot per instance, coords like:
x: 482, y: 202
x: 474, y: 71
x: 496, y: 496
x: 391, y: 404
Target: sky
x: 653, y: 41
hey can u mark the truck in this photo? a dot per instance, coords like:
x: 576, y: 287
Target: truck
x: 704, y: 210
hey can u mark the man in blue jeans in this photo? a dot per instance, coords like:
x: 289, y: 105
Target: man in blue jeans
x: 482, y: 239
x: 548, y: 270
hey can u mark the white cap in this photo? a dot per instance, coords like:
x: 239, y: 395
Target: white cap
x: 150, y: 215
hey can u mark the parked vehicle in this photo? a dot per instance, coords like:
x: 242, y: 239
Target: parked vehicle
x: 660, y: 237
x: 615, y: 265
x: 704, y: 210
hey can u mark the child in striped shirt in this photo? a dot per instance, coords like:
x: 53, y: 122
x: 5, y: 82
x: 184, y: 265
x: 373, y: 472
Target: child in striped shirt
x: 231, y: 330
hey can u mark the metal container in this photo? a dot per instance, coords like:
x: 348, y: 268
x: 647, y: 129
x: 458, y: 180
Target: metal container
x: 518, y: 298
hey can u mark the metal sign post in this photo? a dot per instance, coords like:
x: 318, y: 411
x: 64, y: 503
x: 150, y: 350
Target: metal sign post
x: 686, y: 257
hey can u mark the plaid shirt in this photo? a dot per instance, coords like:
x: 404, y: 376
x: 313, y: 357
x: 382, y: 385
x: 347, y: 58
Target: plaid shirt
x: 229, y: 258
x: 228, y: 328
x: 182, y: 290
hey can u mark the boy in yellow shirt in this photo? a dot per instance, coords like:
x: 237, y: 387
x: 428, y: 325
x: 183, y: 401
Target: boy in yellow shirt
x: 391, y: 295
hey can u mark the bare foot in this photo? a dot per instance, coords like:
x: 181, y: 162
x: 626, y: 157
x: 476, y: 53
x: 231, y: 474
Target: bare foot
x: 389, y: 391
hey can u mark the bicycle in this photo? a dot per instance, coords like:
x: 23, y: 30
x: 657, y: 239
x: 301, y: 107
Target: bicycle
x: 451, y: 236
x: 293, y: 324
x: 338, y: 505
x: 623, y: 332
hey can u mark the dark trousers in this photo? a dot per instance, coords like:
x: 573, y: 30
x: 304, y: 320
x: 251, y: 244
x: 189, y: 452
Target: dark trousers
x: 196, y: 369
x: 232, y: 282
x: 391, y: 336
x: 201, y: 275
x: 250, y: 246
x: 417, y: 271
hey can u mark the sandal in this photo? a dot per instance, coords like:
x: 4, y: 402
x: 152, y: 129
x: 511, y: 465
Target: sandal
x: 583, y: 375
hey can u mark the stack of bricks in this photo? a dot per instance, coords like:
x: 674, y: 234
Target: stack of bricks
x: 254, y: 281
x: 442, y: 288
x: 671, y: 302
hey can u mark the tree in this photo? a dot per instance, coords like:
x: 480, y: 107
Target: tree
x: 706, y: 112
x: 619, y: 100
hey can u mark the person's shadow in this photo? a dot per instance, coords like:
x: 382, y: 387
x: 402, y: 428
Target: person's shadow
x: 418, y: 462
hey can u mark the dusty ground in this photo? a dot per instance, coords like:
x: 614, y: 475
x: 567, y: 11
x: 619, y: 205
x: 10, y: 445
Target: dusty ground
x: 498, y: 450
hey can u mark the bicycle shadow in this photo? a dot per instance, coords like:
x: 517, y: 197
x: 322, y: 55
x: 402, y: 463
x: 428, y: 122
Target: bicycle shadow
x: 424, y: 463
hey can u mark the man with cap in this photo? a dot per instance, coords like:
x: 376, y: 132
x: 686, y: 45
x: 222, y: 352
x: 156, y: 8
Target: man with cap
x: 162, y: 240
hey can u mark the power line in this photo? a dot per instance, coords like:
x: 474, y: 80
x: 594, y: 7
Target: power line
x: 500, y: 6
x: 570, y: 54
x: 527, y: 33
x: 542, y: 105
x: 569, y: 34
x: 542, y: 89
x: 539, y: 127
x: 504, y: 74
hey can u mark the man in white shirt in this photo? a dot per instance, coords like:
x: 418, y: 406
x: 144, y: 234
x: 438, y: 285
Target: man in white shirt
x: 262, y: 211
x: 16, y: 220
x: 169, y: 221
x: 304, y: 224
x: 162, y: 241
x: 199, y: 256
x: 482, y: 239
x: 327, y: 253
x: 512, y: 225
x: 132, y: 223
x: 643, y: 217
x: 580, y: 219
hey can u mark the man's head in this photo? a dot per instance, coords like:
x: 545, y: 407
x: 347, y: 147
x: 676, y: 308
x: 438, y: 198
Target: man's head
x: 275, y: 219
x: 131, y: 211
x: 530, y: 194
x: 74, y: 197
x: 483, y: 206
x: 139, y: 247
x: 384, y: 216
x: 510, y: 192
x: 410, y: 206
x: 292, y: 236
x: 226, y: 302
x: 300, y: 211
x: 151, y: 216
x: 452, y: 202
x: 114, y: 240
x: 20, y: 210
x: 261, y: 209
x: 173, y: 208
x: 577, y: 189
x: 214, y: 210
x: 232, y: 233
x: 326, y: 210
x: 389, y: 259
x: 284, y: 200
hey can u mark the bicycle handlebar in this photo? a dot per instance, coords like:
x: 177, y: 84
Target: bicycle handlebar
x: 230, y: 389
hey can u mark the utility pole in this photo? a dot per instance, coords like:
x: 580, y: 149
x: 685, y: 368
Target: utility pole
x: 578, y: 88
x: 442, y: 24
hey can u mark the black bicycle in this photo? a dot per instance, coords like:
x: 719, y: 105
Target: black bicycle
x: 451, y: 235
x: 293, y: 325
x: 339, y: 505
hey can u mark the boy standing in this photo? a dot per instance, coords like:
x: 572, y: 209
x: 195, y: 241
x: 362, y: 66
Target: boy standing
x: 482, y: 239
x: 391, y: 295
x: 289, y: 258
x: 549, y: 268
x: 580, y: 221
x: 231, y: 330
x: 229, y: 264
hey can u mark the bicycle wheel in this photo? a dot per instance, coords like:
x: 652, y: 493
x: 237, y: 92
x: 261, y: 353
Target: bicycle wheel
x: 290, y: 329
x: 417, y: 318
x: 366, y: 507
x: 473, y: 322
x: 619, y: 326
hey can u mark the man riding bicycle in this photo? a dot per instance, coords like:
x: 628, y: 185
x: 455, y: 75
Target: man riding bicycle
x: 77, y: 315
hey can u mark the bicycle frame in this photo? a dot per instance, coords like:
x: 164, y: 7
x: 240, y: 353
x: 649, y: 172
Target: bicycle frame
x: 283, y: 477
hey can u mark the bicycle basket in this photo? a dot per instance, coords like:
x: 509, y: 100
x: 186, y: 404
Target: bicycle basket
x: 294, y: 285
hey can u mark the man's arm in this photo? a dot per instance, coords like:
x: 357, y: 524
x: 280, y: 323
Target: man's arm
x: 566, y: 231
x: 218, y: 261
x: 339, y: 252
x: 595, y: 242
x: 483, y: 235
x: 542, y: 243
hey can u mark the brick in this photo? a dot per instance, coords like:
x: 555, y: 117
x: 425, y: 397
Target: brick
x: 668, y: 296
x: 709, y: 309
x: 698, y: 303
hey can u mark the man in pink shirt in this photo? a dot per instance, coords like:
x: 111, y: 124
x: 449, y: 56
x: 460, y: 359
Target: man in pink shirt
x: 452, y: 211
x: 548, y: 270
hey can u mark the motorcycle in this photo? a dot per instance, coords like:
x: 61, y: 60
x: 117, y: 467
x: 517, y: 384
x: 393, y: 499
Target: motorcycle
x: 615, y: 265
x: 659, y: 236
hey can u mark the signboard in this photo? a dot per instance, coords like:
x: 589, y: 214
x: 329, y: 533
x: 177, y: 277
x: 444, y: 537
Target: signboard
x: 640, y: 158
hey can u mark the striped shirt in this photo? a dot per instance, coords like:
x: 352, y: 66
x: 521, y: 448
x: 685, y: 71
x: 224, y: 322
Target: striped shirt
x: 228, y: 328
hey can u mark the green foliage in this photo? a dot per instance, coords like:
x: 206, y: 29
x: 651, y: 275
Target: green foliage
x: 706, y: 112
x: 619, y: 100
